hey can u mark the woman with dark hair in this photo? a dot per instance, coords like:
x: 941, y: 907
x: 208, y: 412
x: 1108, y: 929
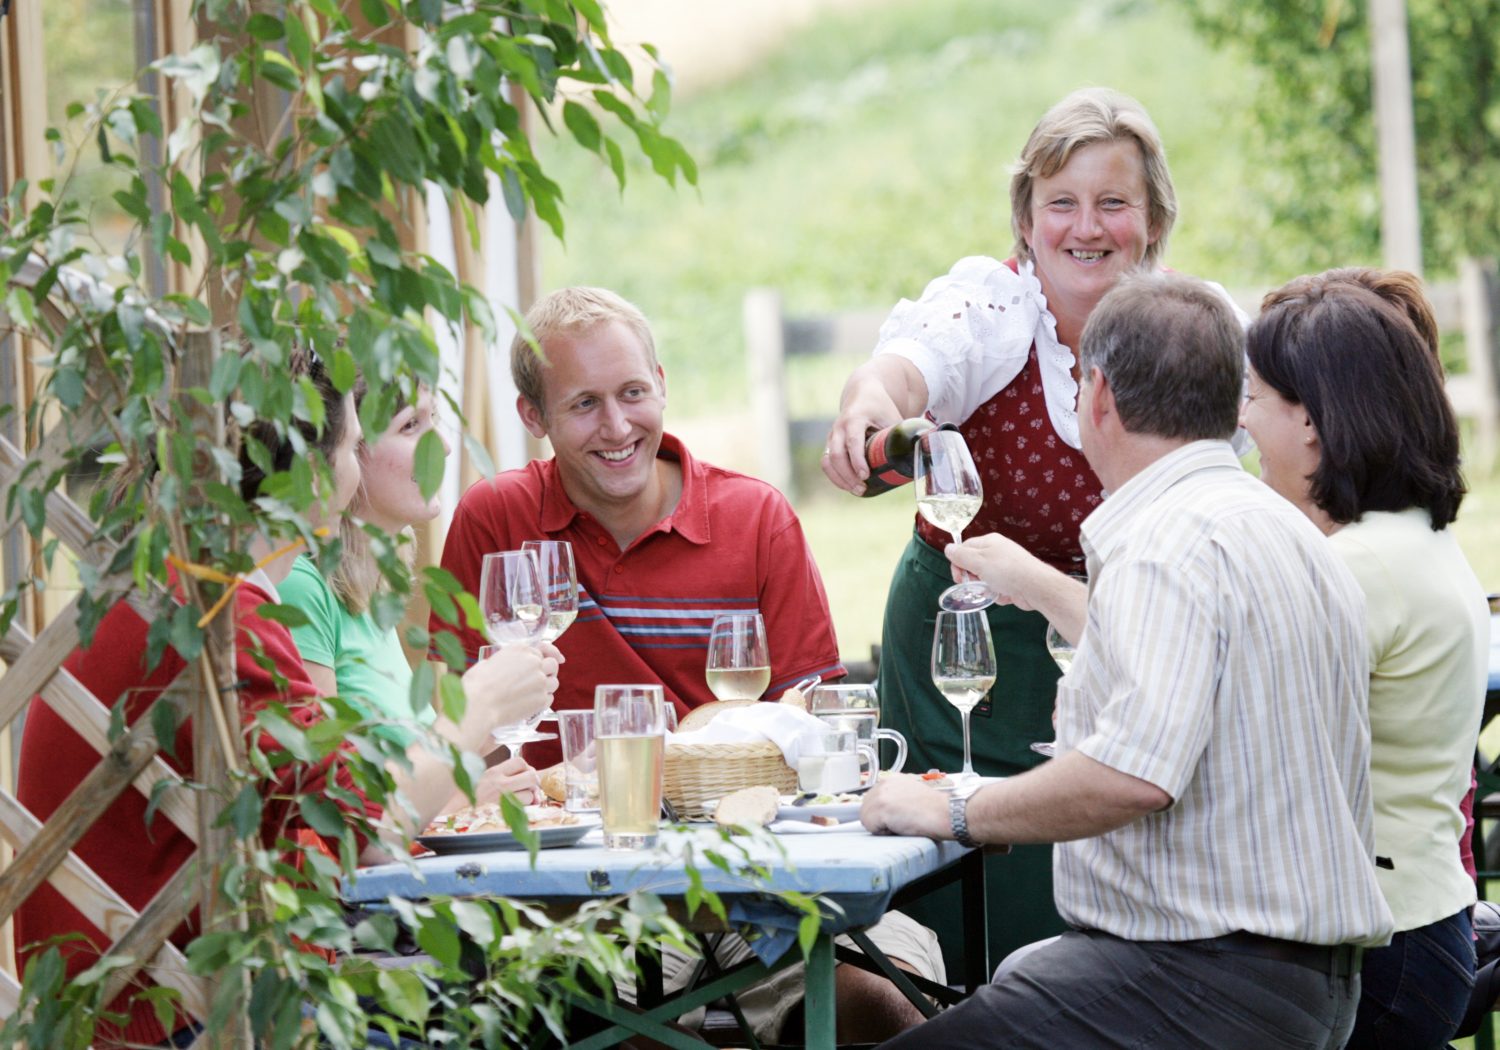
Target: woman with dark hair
x: 137, y: 856
x: 1347, y: 406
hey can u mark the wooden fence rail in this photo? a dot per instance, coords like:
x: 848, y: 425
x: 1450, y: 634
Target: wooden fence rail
x: 130, y: 761
x: 1469, y: 306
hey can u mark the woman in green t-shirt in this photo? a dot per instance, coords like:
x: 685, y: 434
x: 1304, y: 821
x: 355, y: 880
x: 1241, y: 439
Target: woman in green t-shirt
x: 349, y: 644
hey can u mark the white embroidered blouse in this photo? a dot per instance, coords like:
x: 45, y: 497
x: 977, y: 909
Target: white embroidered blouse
x: 971, y: 332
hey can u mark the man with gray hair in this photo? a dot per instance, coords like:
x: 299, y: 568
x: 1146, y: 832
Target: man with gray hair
x: 1210, y: 794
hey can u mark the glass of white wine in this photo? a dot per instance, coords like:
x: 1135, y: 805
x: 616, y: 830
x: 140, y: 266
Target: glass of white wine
x: 948, y: 496
x: 517, y: 733
x: 559, y: 582
x: 513, y: 605
x: 1060, y: 649
x: 963, y: 667
x: 739, y: 661
x: 511, y: 598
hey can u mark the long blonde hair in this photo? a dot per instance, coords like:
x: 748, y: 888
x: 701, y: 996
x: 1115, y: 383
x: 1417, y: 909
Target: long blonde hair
x: 357, y: 578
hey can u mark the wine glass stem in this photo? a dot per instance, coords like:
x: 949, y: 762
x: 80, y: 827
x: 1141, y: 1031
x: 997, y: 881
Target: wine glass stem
x: 968, y: 761
x: 958, y: 537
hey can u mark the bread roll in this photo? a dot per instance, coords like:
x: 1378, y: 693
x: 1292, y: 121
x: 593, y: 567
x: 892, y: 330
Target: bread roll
x: 748, y: 807
x: 554, y: 783
x: 699, y: 717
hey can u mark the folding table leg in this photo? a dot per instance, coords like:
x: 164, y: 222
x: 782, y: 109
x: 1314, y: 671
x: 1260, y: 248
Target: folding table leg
x: 976, y: 921
x: 820, y: 1027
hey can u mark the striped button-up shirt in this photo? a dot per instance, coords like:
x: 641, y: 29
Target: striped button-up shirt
x: 1225, y: 662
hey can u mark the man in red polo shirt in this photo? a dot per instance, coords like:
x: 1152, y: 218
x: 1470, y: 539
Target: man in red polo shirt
x: 662, y: 541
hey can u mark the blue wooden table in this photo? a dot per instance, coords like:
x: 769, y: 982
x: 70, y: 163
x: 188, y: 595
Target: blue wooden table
x: 864, y: 875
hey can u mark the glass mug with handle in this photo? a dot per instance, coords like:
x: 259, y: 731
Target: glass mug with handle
x: 739, y: 660
x: 855, y: 706
x: 629, y: 738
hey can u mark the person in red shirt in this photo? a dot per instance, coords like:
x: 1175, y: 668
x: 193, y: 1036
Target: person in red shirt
x: 137, y: 857
x: 662, y: 542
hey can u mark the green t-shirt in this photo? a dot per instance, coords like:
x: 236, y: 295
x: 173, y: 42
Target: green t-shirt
x: 367, y: 662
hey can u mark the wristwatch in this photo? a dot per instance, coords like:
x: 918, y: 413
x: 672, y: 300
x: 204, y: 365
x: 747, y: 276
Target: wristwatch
x: 958, y: 807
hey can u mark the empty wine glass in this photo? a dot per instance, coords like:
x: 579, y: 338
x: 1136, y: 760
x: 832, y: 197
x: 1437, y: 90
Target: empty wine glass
x: 559, y: 583
x: 739, y: 661
x: 511, y: 598
x: 963, y: 667
x: 948, y: 496
x: 512, y: 736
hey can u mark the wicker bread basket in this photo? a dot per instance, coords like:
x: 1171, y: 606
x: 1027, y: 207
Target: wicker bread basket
x: 696, y: 773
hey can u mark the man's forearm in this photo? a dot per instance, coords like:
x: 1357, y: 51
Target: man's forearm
x: 1071, y: 797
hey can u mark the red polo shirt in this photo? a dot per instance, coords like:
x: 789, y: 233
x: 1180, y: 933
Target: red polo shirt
x: 732, y: 544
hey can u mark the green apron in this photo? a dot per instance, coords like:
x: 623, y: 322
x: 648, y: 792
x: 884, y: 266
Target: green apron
x: 1017, y: 712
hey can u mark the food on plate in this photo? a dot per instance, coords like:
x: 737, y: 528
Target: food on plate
x: 838, y: 798
x: 750, y: 807
x: 554, y: 783
x: 699, y: 717
x: 937, y: 778
x: 823, y: 820
x: 488, y: 818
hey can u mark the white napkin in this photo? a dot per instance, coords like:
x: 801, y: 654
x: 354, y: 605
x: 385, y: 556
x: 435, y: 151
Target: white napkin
x: 782, y: 724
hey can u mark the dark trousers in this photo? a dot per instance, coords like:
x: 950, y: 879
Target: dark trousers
x: 1415, y: 989
x: 1092, y: 990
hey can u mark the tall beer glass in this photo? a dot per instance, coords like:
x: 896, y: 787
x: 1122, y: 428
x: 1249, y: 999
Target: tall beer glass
x: 629, y: 724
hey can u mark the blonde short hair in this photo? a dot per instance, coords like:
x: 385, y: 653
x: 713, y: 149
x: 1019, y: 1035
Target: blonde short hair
x: 1086, y: 117
x: 570, y: 310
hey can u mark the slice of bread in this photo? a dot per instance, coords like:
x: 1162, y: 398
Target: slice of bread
x: 748, y: 807
x: 699, y: 717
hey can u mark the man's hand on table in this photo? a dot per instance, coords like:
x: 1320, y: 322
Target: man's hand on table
x: 902, y: 804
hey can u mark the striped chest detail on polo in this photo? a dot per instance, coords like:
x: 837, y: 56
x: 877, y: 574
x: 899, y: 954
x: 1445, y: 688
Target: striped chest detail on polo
x: 648, y: 622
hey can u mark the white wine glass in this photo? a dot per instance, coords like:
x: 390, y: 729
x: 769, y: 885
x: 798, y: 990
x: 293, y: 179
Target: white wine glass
x: 1062, y: 652
x: 1060, y: 649
x: 513, y: 605
x: 512, y: 736
x: 739, y: 661
x: 963, y: 667
x: 949, y: 496
x: 559, y: 583
x: 511, y: 598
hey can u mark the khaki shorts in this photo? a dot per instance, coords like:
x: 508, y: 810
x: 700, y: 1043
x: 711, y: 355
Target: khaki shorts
x: 768, y: 1002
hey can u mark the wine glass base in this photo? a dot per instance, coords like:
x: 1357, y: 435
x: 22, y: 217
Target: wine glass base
x: 517, y: 739
x: 966, y: 597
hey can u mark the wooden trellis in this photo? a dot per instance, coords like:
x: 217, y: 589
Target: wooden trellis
x: 131, y: 762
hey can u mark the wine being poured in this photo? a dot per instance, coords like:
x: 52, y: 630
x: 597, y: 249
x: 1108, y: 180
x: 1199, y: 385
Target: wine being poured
x: 949, y: 496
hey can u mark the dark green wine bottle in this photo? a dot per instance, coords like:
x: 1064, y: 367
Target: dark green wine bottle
x: 891, y: 453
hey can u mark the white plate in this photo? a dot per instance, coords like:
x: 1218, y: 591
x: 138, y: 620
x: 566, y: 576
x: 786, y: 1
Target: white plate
x: 550, y: 837
x: 840, y: 811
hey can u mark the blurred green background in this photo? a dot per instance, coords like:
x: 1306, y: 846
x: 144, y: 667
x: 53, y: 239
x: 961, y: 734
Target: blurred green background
x: 871, y: 149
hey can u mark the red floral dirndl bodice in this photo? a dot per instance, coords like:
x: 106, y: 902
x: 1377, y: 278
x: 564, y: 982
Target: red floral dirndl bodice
x: 1037, y: 487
